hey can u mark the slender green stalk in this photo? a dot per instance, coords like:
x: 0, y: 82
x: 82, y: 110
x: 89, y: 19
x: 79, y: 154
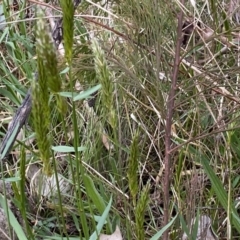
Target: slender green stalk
x: 132, y: 173
x: 140, y: 212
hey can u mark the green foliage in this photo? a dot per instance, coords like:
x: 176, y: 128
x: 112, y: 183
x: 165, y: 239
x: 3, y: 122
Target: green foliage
x: 121, y: 58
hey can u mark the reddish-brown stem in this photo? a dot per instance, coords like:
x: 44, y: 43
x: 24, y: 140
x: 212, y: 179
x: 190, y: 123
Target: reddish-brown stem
x: 168, y: 133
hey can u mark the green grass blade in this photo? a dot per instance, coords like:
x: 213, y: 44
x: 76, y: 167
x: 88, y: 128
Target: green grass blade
x: 101, y: 222
x: 94, y: 194
x: 12, y: 219
x: 220, y: 192
x: 160, y: 233
x: 67, y: 149
x: 10, y: 141
x: 87, y: 93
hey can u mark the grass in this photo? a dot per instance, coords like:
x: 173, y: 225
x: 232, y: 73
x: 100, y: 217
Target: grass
x: 160, y: 144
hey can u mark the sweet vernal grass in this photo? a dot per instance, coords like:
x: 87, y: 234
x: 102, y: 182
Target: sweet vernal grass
x: 107, y: 81
x: 47, y: 76
x: 68, y: 26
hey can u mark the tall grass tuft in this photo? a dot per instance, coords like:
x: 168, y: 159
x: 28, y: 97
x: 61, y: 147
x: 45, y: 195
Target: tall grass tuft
x: 47, y: 76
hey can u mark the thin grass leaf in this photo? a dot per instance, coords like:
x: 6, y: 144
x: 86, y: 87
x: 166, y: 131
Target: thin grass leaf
x: 185, y: 228
x: 68, y: 94
x: 220, y: 192
x: 12, y: 179
x: 9, y: 95
x: 160, y: 233
x: 64, y: 71
x: 195, y: 227
x: 10, y: 141
x: 3, y: 35
x: 87, y: 93
x: 67, y: 149
x: 101, y: 223
x: 94, y: 194
x: 12, y: 219
x: 83, y: 95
